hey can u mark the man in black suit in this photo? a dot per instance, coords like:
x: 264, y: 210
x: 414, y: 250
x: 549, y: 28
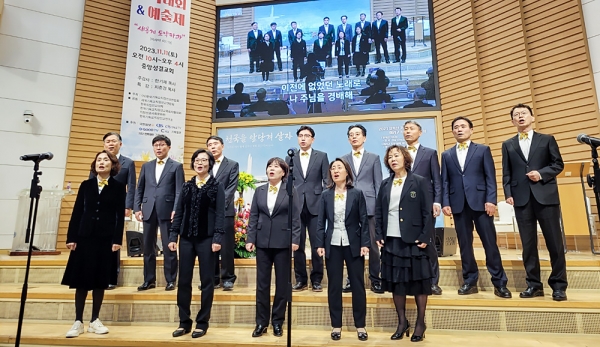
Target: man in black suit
x: 310, y: 176
x: 239, y: 97
x: 227, y: 172
x: 379, y: 33
x: 425, y: 164
x: 126, y: 176
x: 156, y: 197
x: 329, y: 34
x: 365, y: 26
x: 277, y: 42
x: 255, y: 36
x: 530, y: 163
x: 346, y: 28
x: 292, y: 33
x: 469, y: 193
x: 399, y: 26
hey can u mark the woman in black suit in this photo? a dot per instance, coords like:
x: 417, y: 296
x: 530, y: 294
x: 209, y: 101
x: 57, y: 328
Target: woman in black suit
x: 95, y: 231
x: 266, y: 51
x: 361, y: 51
x: 268, y: 233
x: 343, y: 51
x: 346, y: 239
x: 403, y: 222
x: 199, y: 224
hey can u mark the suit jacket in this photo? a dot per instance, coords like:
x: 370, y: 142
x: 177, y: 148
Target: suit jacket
x: 98, y: 215
x: 266, y: 52
x: 427, y: 166
x: 349, y: 32
x: 251, y: 41
x: 415, y: 209
x: 403, y: 25
x: 544, y: 156
x: 271, y: 230
x: 382, y: 32
x: 228, y: 175
x: 215, y: 213
x: 330, y: 34
x: 161, y: 196
x: 321, y: 52
x: 224, y: 114
x: 364, y: 45
x: 356, y: 222
x: 368, y: 178
x: 126, y: 176
x: 309, y: 188
x: 475, y: 185
x: 366, y: 28
x: 276, y: 40
x: 347, y: 48
x: 298, y: 50
x: 417, y: 104
x: 238, y: 99
x: 291, y: 36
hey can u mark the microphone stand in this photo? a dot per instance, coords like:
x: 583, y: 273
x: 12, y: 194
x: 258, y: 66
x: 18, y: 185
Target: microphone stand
x: 34, y: 195
x: 592, y: 181
x: 230, y: 57
x: 290, y: 191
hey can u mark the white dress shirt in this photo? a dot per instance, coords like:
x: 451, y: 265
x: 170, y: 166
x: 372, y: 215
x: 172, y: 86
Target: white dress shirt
x: 525, y: 144
x: 304, y: 159
x: 320, y: 42
x: 413, y: 155
x: 272, y: 197
x: 160, y: 168
x: 326, y: 28
x: 362, y: 25
x: 357, y: 160
x: 462, y: 154
x: 255, y: 34
x: 357, y: 45
x: 341, y: 47
x: 339, y: 237
x: 100, y: 187
x: 216, y: 167
x: 393, y: 227
x: 378, y: 23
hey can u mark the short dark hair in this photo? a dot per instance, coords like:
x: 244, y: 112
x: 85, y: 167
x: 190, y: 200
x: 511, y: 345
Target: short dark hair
x: 344, y: 16
x: 341, y: 32
x: 362, y: 14
x: 520, y: 106
x: 115, y: 166
x: 282, y: 164
x: 379, y: 12
x: 293, y: 22
x: 462, y: 118
x: 413, y: 122
x: 222, y: 104
x: 239, y: 87
x: 398, y: 8
x: 211, y: 159
x: 273, y: 24
x: 111, y: 134
x: 161, y: 138
x: 321, y: 32
x: 405, y: 153
x: 306, y: 127
x: 362, y: 128
x: 253, y: 23
x: 214, y: 137
x: 349, y: 178
x: 261, y: 93
x: 325, y: 18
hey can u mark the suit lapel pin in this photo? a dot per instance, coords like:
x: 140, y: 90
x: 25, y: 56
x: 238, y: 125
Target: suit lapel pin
x: 413, y: 194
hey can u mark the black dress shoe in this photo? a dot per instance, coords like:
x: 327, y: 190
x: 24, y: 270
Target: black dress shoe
x: 277, y: 330
x: 357, y: 74
x: 259, y: 330
x: 347, y: 288
x: 436, y: 290
x: 396, y: 61
x: 170, y: 286
x: 466, y: 289
x: 111, y: 286
x: 227, y: 286
x: 387, y: 61
x: 502, y: 292
x: 531, y: 292
x: 376, y: 288
x: 299, y: 286
x: 146, y: 286
x: 198, y: 333
x: 336, y: 335
x: 403, y: 61
x: 398, y: 335
x: 559, y: 295
x: 362, y: 335
x: 180, y: 332
x: 217, y: 285
x: 418, y: 338
x: 316, y: 287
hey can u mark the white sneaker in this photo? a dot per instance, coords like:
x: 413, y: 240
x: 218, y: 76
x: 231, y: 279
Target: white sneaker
x: 97, y: 327
x: 76, y: 329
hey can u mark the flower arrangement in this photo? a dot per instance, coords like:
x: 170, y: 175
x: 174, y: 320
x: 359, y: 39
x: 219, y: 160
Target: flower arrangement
x: 245, y: 181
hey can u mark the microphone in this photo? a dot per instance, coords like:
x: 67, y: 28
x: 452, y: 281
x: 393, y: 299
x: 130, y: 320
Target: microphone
x: 292, y: 151
x: 592, y: 141
x: 37, y: 157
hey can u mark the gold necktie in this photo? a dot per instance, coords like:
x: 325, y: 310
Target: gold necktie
x: 200, y: 183
x: 523, y: 136
x: 102, y: 183
x: 412, y: 148
x: 357, y: 154
x: 218, y: 161
x: 272, y: 189
x: 161, y: 162
x: 462, y: 146
x: 339, y: 196
x: 304, y: 154
x: 397, y: 182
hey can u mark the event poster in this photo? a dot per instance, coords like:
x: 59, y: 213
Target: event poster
x: 155, y: 91
x: 252, y: 147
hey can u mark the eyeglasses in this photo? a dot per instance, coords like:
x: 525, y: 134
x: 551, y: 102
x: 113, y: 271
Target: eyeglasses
x: 198, y: 161
x: 305, y: 136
